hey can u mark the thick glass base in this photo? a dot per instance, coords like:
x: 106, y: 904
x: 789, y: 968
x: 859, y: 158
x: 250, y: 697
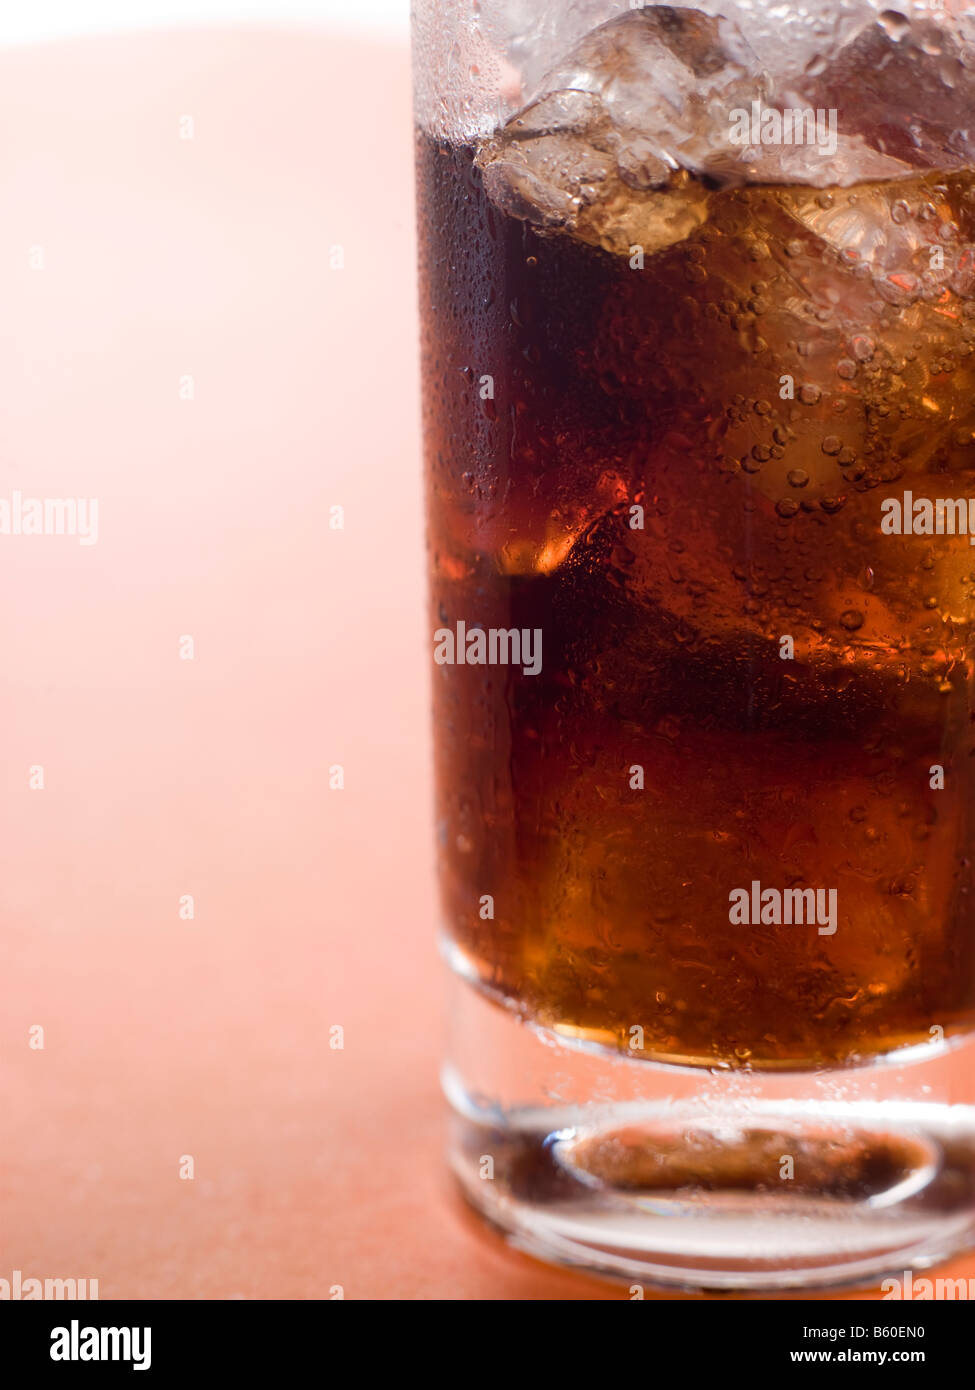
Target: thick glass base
x: 717, y: 1179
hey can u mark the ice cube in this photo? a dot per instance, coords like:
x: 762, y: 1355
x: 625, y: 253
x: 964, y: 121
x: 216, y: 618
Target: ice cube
x: 560, y: 163
x: 852, y: 161
x: 903, y: 242
x: 550, y: 158
x: 638, y: 101
x: 601, y: 148
x: 659, y: 72
x: 907, y: 87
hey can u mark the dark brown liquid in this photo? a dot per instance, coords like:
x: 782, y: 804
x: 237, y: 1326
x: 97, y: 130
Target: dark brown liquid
x: 660, y: 388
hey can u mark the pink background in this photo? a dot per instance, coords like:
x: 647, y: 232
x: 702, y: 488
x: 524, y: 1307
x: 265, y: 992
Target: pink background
x: 163, y: 257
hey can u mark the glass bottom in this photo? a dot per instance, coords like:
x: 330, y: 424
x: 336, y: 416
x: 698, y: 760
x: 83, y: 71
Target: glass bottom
x: 720, y: 1179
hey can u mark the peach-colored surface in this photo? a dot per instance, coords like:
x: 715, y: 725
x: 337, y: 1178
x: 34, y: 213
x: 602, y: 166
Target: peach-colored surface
x: 164, y: 258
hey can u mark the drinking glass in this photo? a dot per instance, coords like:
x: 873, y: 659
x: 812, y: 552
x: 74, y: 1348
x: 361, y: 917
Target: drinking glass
x: 697, y: 294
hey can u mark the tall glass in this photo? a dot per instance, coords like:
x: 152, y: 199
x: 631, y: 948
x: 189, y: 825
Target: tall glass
x: 697, y: 290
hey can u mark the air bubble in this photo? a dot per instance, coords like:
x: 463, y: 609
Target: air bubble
x: 851, y: 619
x: 896, y: 24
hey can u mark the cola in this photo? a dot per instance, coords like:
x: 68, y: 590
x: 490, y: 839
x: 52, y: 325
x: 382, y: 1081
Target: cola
x: 673, y: 392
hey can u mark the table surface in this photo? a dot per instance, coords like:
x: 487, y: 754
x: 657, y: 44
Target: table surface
x: 179, y: 343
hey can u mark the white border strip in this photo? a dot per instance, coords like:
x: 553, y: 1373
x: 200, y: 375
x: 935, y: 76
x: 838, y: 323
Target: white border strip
x: 41, y: 21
